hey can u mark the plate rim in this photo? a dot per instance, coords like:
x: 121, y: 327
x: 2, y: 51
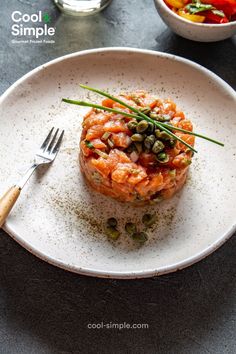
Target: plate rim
x: 121, y: 274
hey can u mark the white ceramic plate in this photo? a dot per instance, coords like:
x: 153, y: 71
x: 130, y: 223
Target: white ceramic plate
x: 60, y: 220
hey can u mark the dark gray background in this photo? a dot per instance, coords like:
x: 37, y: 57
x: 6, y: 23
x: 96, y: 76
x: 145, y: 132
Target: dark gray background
x: 46, y: 310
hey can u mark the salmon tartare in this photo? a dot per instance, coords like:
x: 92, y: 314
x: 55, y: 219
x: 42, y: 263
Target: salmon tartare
x: 132, y: 160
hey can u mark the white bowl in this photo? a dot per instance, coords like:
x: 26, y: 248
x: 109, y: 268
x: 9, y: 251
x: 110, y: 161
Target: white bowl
x: 60, y: 219
x: 200, y: 32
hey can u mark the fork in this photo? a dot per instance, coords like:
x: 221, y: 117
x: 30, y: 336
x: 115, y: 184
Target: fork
x: 46, y: 155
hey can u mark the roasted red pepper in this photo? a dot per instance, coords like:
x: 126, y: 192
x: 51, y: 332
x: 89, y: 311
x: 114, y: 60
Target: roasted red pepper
x: 227, y: 6
x: 210, y: 17
x: 207, y: 11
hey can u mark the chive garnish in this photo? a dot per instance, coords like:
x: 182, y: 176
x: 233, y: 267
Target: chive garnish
x: 168, y: 126
x: 138, y: 116
x: 139, y: 113
x: 97, y: 106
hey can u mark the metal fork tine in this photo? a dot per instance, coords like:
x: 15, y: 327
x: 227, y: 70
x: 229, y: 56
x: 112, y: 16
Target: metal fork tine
x: 50, y: 146
x: 46, y: 141
x: 58, y: 144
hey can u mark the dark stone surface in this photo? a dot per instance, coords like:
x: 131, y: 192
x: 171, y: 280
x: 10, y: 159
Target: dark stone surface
x: 46, y: 310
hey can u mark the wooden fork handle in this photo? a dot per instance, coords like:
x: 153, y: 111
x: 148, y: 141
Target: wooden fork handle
x: 7, y: 202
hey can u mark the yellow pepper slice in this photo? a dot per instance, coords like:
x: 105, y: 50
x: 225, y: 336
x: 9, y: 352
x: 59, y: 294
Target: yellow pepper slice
x: 175, y: 3
x: 190, y: 17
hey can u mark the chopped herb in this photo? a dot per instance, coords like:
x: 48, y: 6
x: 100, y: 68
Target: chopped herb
x: 105, y: 136
x: 198, y: 7
x: 110, y: 143
x: 89, y: 144
x: 97, y: 151
x: 100, y: 153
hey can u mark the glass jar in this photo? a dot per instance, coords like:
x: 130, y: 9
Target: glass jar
x: 81, y: 7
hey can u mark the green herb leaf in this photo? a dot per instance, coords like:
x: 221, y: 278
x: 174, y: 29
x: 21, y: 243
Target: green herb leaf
x: 89, y: 144
x: 198, y: 7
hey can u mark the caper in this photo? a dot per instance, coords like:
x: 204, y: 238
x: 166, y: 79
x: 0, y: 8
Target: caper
x: 130, y: 228
x: 154, y: 116
x: 158, y: 147
x: 142, y: 126
x: 157, y: 133
x: 140, y: 237
x: 112, y: 232
x: 112, y: 222
x: 150, y: 128
x: 145, y: 110
x: 148, y: 219
x: 138, y: 146
x: 157, y: 117
x: 136, y: 99
x: 137, y: 137
x: 149, y: 141
x: 172, y: 143
x: 166, y: 117
x: 132, y: 125
x: 162, y: 157
x: 165, y: 136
